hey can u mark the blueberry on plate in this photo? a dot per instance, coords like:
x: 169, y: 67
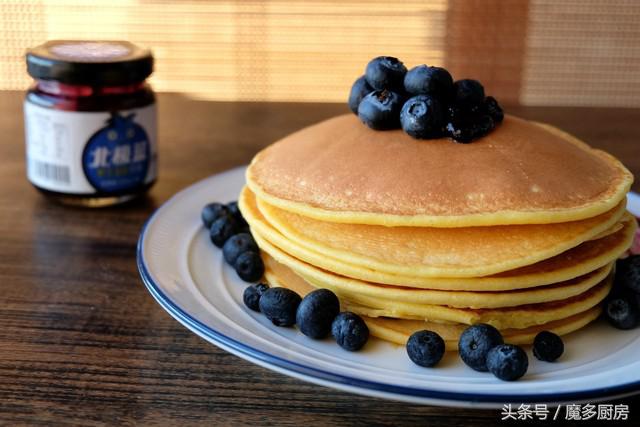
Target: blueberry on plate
x: 380, y: 110
x: 621, y: 308
x: 547, y: 346
x: 236, y: 245
x: 222, y: 229
x: 385, y: 72
x: 279, y: 305
x: 422, y: 117
x: 249, y: 266
x: 493, y: 109
x: 425, y: 348
x: 628, y: 273
x: 468, y: 93
x: 359, y: 90
x: 233, y: 208
x: 507, y: 362
x: 425, y: 80
x: 213, y: 211
x: 474, y: 344
x: 252, y: 294
x: 236, y: 214
x: 350, y: 331
x: 316, y: 313
x: 621, y: 265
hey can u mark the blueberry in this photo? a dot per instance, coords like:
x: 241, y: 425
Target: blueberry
x: 621, y: 308
x: 236, y: 214
x: 350, y: 331
x: 471, y: 116
x: 474, y: 344
x: 249, y: 266
x: 468, y: 93
x: 380, y: 110
x: 279, y: 305
x: 236, y: 245
x: 507, y: 362
x: 425, y: 348
x: 547, y: 346
x: 316, y: 313
x: 359, y: 90
x: 482, y: 125
x: 621, y: 265
x: 493, y: 109
x: 434, y: 81
x: 222, y: 229
x: 233, y: 208
x: 628, y: 273
x: 213, y: 211
x: 464, y: 126
x: 460, y: 131
x: 422, y: 117
x: 385, y: 72
x: 252, y: 294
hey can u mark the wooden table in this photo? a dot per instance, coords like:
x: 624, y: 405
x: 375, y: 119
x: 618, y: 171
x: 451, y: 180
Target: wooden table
x: 83, y: 342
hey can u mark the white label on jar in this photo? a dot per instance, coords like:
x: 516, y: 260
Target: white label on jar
x: 90, y: 152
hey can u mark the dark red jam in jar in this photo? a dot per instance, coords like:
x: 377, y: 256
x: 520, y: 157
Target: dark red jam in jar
x: 90, y: 122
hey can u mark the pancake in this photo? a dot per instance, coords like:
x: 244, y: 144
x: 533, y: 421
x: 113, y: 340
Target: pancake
x: 612, y: 230
x: 398, y: 331
x: 521, y: 173
x: 355, y: 290
x: 578, y: 261
x: 436, y: 252
x: 504, y: 318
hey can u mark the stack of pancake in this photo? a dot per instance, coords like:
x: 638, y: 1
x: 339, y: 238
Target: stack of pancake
x: 520, y: 229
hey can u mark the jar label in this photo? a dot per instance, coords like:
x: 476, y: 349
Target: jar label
x: 86, y: 153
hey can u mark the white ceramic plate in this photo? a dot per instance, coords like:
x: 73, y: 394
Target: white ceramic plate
x: 187, y: 275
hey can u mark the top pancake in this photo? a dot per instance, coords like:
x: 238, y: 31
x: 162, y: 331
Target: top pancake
x: 521, y: 173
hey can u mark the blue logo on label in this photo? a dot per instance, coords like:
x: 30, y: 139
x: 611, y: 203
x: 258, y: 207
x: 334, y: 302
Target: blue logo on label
x: 116, y: 157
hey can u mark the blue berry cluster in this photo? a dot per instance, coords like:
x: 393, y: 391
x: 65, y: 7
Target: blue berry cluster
x: 317, y: 314
x: 622, y: 306
x: 482, y: 348
x: 424, y: 101
x: 229, y: 230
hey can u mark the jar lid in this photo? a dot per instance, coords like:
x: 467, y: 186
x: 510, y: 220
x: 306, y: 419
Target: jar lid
x: 94, y: 63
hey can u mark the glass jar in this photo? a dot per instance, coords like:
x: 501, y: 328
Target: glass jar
x: 90, y: 122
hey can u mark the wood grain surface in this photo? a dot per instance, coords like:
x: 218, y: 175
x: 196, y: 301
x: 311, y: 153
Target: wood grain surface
x: 83, y: 343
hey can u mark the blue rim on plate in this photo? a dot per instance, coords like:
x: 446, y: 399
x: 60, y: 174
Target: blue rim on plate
x: 252, y: 353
